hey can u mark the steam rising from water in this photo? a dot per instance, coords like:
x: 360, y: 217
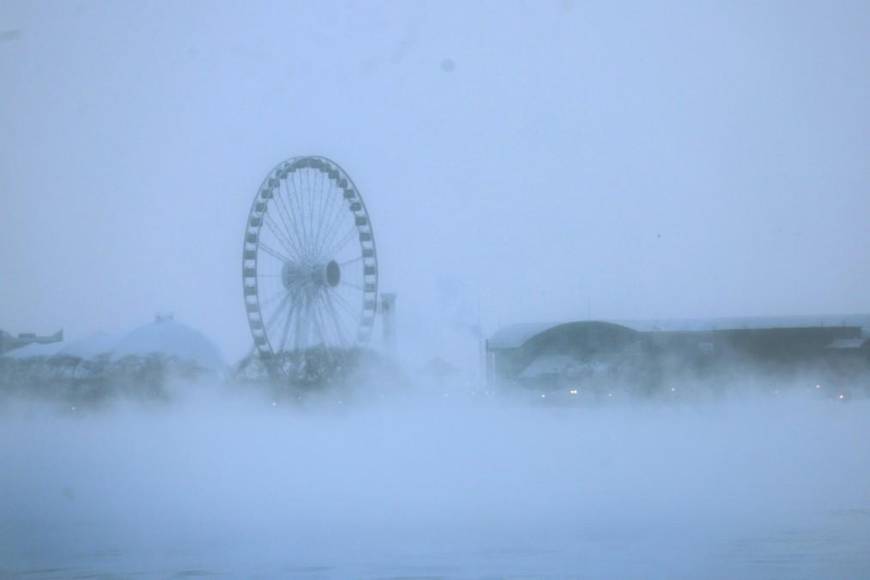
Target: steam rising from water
x: 230, y: 484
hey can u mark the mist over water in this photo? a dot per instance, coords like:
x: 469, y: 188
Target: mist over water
x: 565, y: 161
x: 226, y: 482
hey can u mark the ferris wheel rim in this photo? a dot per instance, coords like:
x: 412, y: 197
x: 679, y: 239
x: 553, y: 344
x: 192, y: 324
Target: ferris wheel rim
x: 354, y: 207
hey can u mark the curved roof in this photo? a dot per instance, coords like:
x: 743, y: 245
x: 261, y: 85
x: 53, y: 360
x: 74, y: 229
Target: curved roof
x: 170, y: 338
x: 36, y: 349
x: 516, y: 335
x: 163, y: 336
x: 91, y: 346
x: 748, y: 322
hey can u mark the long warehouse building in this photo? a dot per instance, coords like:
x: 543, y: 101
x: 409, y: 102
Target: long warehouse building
x: 647, y: 355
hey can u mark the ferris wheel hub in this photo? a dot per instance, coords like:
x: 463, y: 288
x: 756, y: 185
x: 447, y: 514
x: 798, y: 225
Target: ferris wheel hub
x: 296, y: 276
x: 332, y: 273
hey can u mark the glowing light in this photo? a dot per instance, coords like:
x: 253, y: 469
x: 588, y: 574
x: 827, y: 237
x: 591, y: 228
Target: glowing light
x: 572, y: 392
x: 543, y: 395
x: 842, y: 396
x: 673, y: 389
x: 818, y: 386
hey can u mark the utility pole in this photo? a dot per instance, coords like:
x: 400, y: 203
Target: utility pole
x: 388, y: 318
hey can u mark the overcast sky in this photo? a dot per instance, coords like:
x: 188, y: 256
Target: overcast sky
x: 551, y: 159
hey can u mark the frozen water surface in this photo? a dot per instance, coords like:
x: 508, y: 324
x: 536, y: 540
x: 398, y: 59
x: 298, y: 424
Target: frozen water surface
x: 224, y: 485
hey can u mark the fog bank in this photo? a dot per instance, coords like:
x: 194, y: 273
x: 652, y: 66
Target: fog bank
x: 229, y: 484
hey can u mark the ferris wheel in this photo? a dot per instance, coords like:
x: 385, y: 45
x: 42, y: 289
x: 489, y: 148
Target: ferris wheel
x: 309, y: 267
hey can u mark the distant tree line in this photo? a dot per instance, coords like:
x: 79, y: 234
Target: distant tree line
x: 93, y: 379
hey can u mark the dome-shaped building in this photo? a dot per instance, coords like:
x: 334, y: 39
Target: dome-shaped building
x: 172, y: 339
x: 143, y: 359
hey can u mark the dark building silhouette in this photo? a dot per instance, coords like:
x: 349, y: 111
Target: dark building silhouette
x: 648, y: 356
x: 9, y: 342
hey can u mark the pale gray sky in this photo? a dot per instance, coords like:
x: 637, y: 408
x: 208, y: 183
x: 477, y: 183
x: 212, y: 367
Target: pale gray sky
x: 669, y: 159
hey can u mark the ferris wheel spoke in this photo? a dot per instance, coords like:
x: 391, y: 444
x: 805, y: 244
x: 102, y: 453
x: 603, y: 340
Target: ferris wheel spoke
x: 308, y: 208
x: 332, y: 216
x: 317, y: 199
x: 351, y: 261
x: 293, y: 335
x: 297, y: 331
x: 302, y: 322
x: 285, y: 302
x: 325, y: 207
x: 326, y: 319
x: 293, y: 209
x: 313, y: 198
x: 272, y: 299
x: 316, y: 327
x: 293, y: 224
x: 320, y: 323
x: 342, y: 301
x: 285, y: 241
x: 292, y: 285
x: 283, y: 216
x: 332, y: 226
x: 272, y: 252
x: 287, y: 326
x: 302, y: 198
x: 335, y: 319
x: 290, y: 216
x: 342, y: 242
x: 294, y: 321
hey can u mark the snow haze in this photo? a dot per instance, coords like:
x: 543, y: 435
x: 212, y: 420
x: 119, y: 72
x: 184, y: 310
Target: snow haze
x: 520, y: 162
x: 228, y: 485
x: 632, y: 161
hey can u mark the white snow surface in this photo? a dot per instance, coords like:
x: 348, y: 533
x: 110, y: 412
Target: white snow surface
x: 91, y: 346
x: 36, y: 350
